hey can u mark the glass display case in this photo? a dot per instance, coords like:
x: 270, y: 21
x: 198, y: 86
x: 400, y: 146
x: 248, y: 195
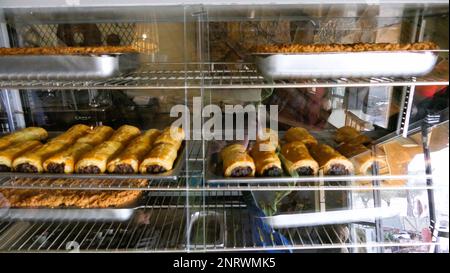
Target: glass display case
x: 198, y: 66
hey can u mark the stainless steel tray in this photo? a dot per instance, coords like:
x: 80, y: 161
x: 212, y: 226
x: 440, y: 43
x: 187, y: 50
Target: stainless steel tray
x: 73, y: 214
x: 171, y: 175
x: 66, y: 67
x: 346, y: 64
x: 69, y: 214
x: 329, y: 217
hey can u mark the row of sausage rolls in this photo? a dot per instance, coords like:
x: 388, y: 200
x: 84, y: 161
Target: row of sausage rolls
x: 95, y: 161
x: 23, y: 135
x: 262, y: 160
x: 164, y: 151
x: 129, y: 152
x: 355, y: 145
x: 306, y: 155
x: 32, y: 160
x: 295, y: 152
x: 302, y: 154
x: 64, y: 161
x: 84, y: 150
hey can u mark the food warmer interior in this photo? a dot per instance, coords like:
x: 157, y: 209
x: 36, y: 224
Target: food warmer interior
x: 106, y: 64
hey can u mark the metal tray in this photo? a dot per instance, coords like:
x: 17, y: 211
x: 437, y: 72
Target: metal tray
x: 73, y: 214
x: 329, y: 217
x: 66, y: 67
x: 171, y: 175
x: 346, y: 64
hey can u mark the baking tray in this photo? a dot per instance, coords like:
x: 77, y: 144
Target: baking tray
x: 329, y: 217
x: 73, y: 214
x: 278, y: 66
x: 171, y: 175
x: 66, y: 67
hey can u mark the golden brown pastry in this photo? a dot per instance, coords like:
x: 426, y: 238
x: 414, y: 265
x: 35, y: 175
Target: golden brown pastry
x: 97, y: 135
x: 171, y: 135
x: 349, y: 134
x: 297, y: 159
x: 236, y: 161
x: 9, y: 154
x: 331, y: 161
x: 129, y: 159
x: 160, y: 159
x: 31, y: 161
x: 67, y: 50
x: 349, y: 149
x: 94, y: 161
x: 357, y: 47
x: 31, y: 198
x: 64, y: 161
x: 300, y: 134
x: 29, y: 133
x: 71, y: 135
x: 268, y: 136
x: 362, y: 157
x: 125, y: 134
x: 266, y: 161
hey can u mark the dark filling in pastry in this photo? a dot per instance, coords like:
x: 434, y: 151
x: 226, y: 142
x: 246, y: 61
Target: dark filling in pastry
x: 56, y: 167
x: 26, y: 168
x: 273, y: 171
x: 123, y: 168
x: 338, y: 169
x: 4, y: 168
x: 305, y: 171
x: 90, y: 170
x: 241, y: 171
x: 155, y: 169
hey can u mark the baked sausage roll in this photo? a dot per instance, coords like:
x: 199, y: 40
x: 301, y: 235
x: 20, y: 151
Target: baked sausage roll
x: 236, y: 161
x: 297, y: 159
x: 125, y: 134
x: 94, y: 161
x: 128, y: 161
x: 71, y: 135
x: 266, y: 161
x: 26, y: 134
x: 160, y: 159
x: 64, y: 161
x: 300, y: 134
x: 363, y: 158
x: 8, y: 155
x: 97, y: 135
x: 331, y: 161
x: 268, y: 136
x: 349, y: 134
x: 171, y: 135
x: 31, y: 161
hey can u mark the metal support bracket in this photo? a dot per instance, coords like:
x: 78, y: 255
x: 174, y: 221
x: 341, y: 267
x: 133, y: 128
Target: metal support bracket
x: 405, y: 111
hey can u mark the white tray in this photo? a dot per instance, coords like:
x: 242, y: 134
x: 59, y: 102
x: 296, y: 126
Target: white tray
x: 346, y: 64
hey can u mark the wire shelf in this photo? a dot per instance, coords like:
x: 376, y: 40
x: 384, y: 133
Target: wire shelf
x: 213, y: 76
x: 228, y: 225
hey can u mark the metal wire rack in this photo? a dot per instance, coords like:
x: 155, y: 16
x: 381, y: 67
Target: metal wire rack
x: 224, y: 223
x: 213, y: 76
